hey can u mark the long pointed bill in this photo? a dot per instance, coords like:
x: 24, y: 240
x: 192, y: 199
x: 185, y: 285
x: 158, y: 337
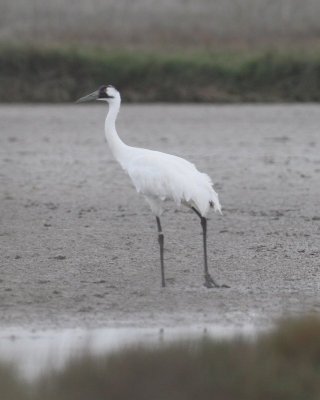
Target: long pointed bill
x: 90, y: 97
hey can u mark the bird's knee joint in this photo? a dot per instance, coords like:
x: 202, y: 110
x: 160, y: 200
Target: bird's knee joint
x: 160, y: 234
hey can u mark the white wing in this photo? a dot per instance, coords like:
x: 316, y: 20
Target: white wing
x: 164, y: 176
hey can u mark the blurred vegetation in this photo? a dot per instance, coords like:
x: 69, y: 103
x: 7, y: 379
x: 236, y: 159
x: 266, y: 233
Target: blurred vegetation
x: 281, y: 365
x: 170, y: 50
x: 29, y: 74
x: 162, y: 24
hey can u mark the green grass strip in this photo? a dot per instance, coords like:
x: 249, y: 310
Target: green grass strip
x: 62, y: 75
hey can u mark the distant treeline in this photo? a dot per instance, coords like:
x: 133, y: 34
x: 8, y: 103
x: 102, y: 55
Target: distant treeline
x: 62, y: 75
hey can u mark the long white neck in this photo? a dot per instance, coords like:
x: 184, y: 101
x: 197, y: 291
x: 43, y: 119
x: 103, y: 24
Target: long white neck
x: 117, y: 147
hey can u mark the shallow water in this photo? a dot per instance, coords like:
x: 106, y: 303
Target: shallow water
x: 34, y: 353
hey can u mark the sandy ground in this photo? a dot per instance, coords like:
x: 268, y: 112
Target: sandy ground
x: 79, y: 246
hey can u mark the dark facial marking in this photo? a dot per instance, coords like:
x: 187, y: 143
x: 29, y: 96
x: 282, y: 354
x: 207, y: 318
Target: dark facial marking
x: 103, y: 94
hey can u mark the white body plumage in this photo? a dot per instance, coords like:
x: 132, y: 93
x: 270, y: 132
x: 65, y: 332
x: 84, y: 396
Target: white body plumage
x: 159, y: 176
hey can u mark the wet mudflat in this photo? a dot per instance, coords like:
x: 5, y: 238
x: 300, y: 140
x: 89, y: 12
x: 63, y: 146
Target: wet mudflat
x: 79, y: 246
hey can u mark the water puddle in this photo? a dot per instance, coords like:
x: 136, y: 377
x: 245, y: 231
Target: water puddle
x: 34, y: 352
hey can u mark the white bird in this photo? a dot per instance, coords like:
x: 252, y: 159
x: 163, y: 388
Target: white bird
x: 159, y: 176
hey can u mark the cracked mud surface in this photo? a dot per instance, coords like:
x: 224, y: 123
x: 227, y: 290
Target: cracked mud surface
x: 79, y: 246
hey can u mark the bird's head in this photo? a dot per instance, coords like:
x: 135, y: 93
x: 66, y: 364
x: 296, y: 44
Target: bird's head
x: 104, y: 93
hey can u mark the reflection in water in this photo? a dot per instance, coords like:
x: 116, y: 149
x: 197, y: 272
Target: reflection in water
x: 35, y: 352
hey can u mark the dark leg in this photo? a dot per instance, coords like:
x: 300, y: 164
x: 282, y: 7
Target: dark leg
x: 161, y: 240
x: 209, y: 281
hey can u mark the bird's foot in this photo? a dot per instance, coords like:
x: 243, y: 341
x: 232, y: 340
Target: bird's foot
x: 210, y: 283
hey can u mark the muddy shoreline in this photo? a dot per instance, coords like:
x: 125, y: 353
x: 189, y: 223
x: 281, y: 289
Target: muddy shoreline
x: 79, y: 247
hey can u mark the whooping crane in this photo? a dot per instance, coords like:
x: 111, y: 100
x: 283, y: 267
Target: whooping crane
x: 159, y: 177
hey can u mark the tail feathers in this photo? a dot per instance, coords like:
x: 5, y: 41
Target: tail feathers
x: 216, y: 207
x: 214, y: 202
